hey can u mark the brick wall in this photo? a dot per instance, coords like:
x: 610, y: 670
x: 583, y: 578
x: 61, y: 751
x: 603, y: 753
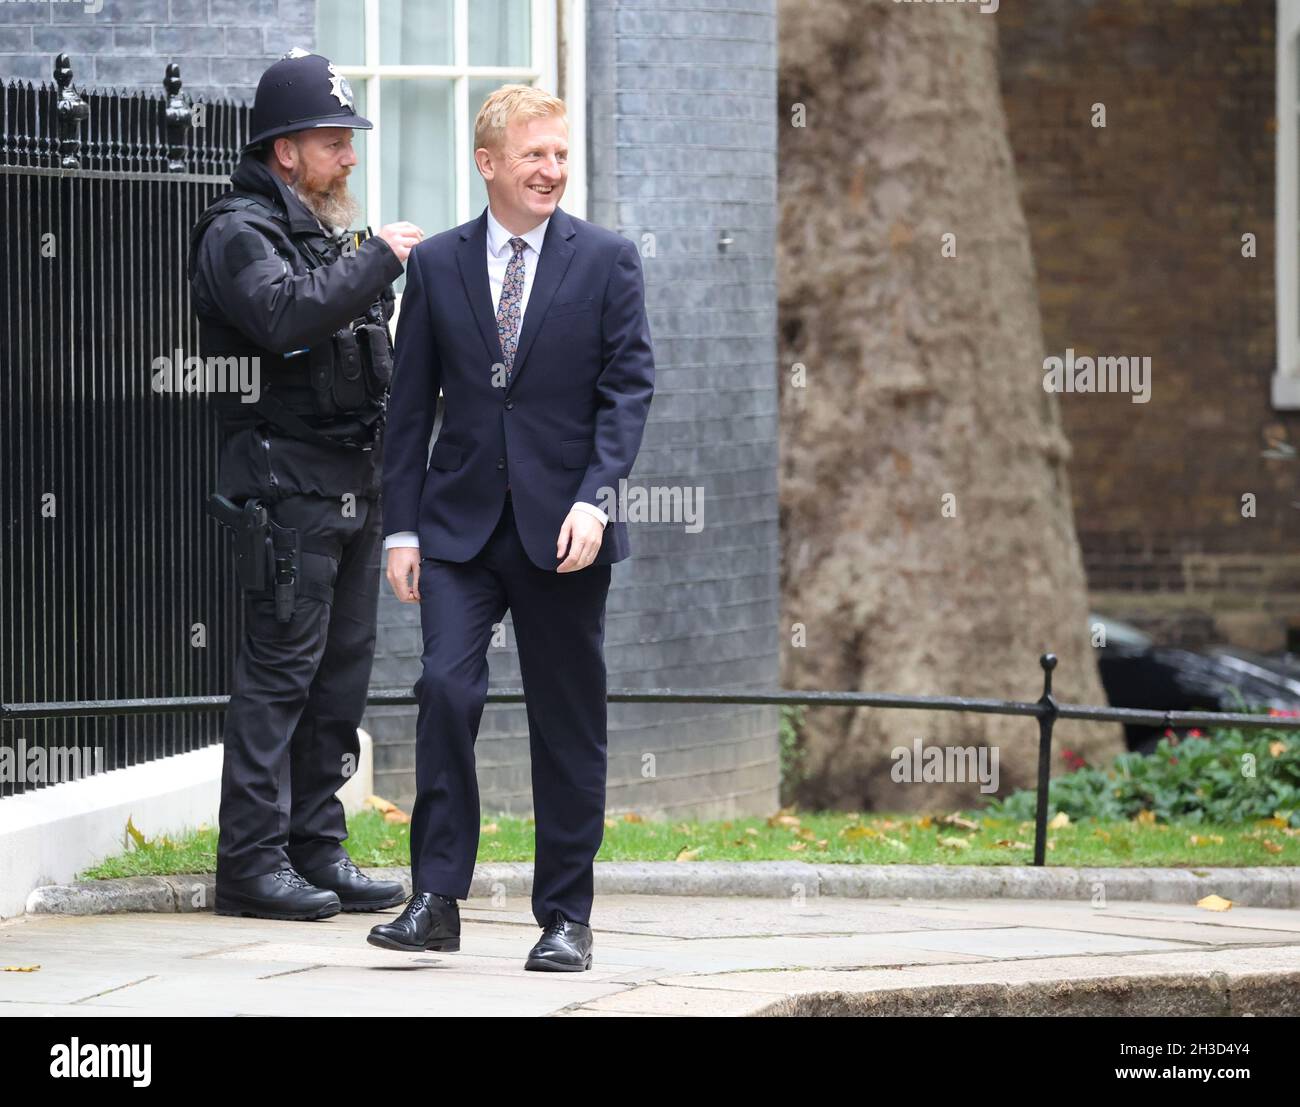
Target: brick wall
x: 1137, y: 232
x: 222, y: 45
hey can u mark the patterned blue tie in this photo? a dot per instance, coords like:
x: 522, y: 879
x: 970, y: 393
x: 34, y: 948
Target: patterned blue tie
x: 512, y: 294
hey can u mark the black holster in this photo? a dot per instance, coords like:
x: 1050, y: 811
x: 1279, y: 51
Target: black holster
x: 266, y: 554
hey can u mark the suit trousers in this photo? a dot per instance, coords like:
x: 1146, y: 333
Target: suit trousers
x: 559, y: 624
x: 298, y: 692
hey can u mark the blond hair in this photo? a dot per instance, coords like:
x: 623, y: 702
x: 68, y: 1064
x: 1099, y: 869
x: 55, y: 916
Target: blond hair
x: 512, y: 102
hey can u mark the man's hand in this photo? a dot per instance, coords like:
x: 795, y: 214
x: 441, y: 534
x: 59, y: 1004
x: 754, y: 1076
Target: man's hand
x: 404, y: 562
x: 402, y: 237
x: 581, y: 535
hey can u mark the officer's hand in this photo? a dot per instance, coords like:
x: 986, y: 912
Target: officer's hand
x: 581, y: 535
x: 404, y: 562
x: 402, y: 237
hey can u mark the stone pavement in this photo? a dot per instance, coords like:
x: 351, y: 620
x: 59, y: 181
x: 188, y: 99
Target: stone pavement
x: 674, y: 955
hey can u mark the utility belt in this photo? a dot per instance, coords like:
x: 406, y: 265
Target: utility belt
x: 345, y: 378
x: 268, y: 556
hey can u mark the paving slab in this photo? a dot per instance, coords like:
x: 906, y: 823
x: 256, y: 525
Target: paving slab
x: 674, y: 955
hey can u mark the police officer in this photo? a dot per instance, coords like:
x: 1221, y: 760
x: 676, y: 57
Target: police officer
x: 275, y: 276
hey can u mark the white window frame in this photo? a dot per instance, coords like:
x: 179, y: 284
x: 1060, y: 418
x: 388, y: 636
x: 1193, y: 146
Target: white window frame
x: 1286, y: 376
x: 553, y: 22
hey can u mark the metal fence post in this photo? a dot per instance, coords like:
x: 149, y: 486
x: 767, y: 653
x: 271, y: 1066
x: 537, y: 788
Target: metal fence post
x: 1046, y: 720
x: 71, y: 110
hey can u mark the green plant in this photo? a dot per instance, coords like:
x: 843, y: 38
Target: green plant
x: 1230, y: 776
x: 793, y: 754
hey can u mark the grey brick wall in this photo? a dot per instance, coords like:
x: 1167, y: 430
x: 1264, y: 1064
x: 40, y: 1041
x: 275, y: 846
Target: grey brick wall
x: 222, y: 45
x: 682, y: 146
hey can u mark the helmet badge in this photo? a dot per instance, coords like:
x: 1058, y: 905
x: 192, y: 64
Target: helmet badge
x: 339, y: 87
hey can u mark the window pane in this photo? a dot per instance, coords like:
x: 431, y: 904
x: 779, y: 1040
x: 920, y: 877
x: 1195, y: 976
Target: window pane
x: 500, y: 32
x: 416, y: 32
x: 417, y: 179
x: 357, y: 178
x: 341, y: 31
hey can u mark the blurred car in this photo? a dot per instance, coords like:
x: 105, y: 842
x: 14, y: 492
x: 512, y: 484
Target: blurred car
x: 1137, y: 673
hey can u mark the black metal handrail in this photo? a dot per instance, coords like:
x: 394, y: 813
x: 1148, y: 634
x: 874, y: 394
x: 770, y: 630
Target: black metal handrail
x: 1046, y: 709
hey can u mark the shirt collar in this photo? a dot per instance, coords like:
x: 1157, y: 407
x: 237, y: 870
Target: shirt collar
x: 498, y: 238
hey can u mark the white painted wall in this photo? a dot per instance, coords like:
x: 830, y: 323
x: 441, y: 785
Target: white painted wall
x: 49, y: 835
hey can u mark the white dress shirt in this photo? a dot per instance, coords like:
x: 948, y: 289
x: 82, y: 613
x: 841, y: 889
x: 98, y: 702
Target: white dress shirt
x: 499, y: 252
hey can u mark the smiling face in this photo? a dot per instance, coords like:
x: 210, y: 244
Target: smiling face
x: 526, y: 177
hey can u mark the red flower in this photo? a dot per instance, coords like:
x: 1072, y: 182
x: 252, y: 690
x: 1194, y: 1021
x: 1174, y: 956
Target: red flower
x: 1193, y: 733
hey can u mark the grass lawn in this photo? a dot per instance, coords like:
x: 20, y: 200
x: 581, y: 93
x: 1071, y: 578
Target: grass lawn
x: 963, y: 838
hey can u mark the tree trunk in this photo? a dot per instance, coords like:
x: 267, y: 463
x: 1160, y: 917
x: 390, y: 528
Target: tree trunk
x: 927, y: 526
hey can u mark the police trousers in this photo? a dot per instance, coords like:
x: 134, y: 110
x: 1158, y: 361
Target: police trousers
x: 297, y: 696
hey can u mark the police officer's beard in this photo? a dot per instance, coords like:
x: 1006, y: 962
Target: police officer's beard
x: 333, y: 205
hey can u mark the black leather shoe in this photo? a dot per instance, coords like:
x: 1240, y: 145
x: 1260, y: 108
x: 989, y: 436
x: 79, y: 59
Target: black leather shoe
x: 565, y: 946
x: 355, y: 890
x: 428, y: 922
x: 278, y: 895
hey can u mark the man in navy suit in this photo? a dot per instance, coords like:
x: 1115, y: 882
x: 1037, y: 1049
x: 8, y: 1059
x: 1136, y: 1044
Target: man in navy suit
x: 533, y: 324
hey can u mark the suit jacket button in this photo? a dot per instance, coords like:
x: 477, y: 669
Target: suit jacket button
x: 510, y: 404
x: 501, y: 463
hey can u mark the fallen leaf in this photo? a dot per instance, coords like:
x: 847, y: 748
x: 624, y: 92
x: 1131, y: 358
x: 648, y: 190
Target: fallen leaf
x: 21, y: 968
x: 1146, y: 818
x: 136, y: 836
x: 1059, y: 820
x: 490, y: 828
x: 1205, y: 839
x: 687, y: 854
x: 795, y: 847
x: 1012, y: 844
x: 1272, y: 847
x: 633, y: 817
x: 396, y: 815
x: 1214, y: 903
x: 959, y: 822
x: 954, y: 843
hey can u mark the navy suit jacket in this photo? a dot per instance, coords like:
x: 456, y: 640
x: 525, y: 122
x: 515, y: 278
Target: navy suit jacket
x: 568, y: 425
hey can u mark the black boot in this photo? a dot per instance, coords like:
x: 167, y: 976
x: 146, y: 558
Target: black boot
x: 428, y: 922
x: 355, y: 890
x: 278, y: 895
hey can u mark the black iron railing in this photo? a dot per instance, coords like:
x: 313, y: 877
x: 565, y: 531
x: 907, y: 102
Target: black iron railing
x: 1045, y: 709
x: 112, y: 580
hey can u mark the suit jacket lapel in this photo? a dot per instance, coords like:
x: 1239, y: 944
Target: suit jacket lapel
x: 557, y: 252
x: 471, y: 258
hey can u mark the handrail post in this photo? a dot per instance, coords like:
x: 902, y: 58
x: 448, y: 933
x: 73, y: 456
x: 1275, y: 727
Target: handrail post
x: 1046, y: 721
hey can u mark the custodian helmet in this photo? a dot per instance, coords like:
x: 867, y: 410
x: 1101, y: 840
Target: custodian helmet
x: 300, y: 91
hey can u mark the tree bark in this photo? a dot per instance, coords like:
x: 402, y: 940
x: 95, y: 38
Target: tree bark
x: 927, y: 526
